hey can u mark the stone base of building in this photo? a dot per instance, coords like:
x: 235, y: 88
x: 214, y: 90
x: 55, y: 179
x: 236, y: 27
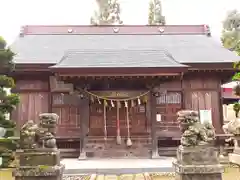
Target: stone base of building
x: 197, y: 163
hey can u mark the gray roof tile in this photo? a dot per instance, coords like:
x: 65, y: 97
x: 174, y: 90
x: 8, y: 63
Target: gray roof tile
x: 147, y: 49
x: 118, y: 58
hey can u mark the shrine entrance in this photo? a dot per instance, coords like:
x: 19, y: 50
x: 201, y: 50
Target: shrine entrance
x: 118, y: 124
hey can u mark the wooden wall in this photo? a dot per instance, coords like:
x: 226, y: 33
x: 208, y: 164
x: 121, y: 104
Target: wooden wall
x: 203, y: 91
x: 34, y: 99
x: 196, y: 91
x: 40, y: 95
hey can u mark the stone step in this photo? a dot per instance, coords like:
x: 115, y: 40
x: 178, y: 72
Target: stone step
x: 142, y: 176
x: 115, y: 146
x: 93, y: 140
x: 108, y: 148
x: 118, y: 152
x: 121, y: 154
x: 123, y: 137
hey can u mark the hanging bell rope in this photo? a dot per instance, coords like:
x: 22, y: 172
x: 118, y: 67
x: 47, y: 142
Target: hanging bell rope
x: 105, y: 121
x: 129, y: 141
x: 118, y: 138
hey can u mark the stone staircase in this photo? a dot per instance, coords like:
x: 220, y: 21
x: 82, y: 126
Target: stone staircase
x: 98, y: 147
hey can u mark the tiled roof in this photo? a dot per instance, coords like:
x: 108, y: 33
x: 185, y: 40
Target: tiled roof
x: 114, y: 50
x: 118, y: 58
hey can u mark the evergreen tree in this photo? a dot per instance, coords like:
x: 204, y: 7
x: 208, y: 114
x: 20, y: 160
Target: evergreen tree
x: 231, y: 31
x: 108, y: 13
x: 7, y: 103
x: 155, y: 16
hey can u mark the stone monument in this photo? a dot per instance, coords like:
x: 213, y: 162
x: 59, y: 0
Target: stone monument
x: 39, y: 158
x: 233, y: 127
x: 196, y: 157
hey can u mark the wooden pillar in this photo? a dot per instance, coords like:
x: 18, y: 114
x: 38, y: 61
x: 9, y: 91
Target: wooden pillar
x: 220, y: 107
x: 84, y: 126
x: 153, y: 127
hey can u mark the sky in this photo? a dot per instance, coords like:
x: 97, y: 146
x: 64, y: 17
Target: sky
x: 15, y: 13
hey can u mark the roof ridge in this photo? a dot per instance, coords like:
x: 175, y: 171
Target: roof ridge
x: 114, y: 29
x: 116, y: 49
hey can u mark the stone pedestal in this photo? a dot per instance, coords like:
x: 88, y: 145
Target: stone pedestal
x: 197, y: 163
x: 235, y: 156
x: 39, y: 164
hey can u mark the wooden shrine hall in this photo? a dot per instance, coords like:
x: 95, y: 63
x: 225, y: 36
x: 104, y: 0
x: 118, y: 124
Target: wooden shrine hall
x: 117, y: 89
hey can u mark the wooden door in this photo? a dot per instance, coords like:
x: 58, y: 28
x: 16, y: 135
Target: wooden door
x: 111, y: 120
x: 138, y: 120
x: 96, y: 120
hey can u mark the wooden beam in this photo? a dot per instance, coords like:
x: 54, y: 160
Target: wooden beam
x: 121, y: 75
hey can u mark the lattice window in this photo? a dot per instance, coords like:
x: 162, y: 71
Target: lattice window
x: 169, y: 98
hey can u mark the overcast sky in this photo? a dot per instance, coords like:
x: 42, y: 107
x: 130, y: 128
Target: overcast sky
x: 15, y: 13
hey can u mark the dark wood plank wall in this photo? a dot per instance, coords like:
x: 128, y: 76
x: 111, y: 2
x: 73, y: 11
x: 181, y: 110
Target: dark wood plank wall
x: 39, y: 96
x: 203, y: 91
x: 34, y: 99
